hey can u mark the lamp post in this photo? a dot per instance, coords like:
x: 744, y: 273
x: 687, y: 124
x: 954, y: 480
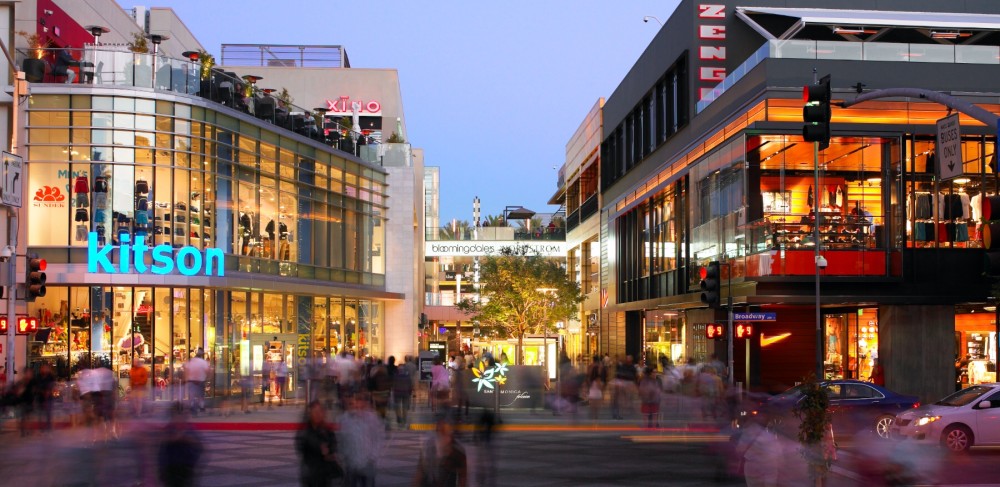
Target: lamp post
x: 96, y: 31
x: 156, y: 39
x: 646, y: 18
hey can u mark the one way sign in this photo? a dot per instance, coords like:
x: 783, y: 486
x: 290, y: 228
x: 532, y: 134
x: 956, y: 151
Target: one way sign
x: 949, y: 148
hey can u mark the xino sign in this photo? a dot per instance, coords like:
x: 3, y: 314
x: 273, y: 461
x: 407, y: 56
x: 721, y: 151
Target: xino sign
x: 131, y: 258
x: 472, y: 248
x: 711, y: 47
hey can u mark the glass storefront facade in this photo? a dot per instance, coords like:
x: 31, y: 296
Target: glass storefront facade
x: 108, y: 170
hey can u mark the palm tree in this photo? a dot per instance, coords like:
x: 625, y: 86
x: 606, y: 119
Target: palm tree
x: 455, y: 230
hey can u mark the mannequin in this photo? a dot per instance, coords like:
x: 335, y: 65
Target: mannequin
x: 245, y: 232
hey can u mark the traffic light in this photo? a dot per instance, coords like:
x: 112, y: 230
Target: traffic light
x: 710, y: 284
x: 34, y: 278
x: 816, y: 113
x: 423, y: 321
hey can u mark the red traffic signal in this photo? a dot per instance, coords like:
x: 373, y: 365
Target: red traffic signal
x: 743, y: 330
x: 714, y: 331
x: 34, y: 279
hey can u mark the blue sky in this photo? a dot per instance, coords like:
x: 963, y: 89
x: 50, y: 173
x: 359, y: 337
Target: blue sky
x: 492, y: 91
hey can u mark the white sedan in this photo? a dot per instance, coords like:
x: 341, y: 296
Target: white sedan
x: 966, y: 418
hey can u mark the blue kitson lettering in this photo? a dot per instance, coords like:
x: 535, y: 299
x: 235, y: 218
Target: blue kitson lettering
x: 189, y: 261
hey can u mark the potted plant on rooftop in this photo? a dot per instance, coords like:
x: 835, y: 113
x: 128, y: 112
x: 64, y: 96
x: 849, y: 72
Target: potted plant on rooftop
x: 33, y: 64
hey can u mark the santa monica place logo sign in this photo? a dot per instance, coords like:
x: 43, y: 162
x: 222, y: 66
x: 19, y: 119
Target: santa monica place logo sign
x: 188, y: 261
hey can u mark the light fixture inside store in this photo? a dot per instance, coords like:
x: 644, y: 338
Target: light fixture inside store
x: 990, y: 308
x: 948, y: 34
x: 872, y: 181
x: 853, y: 30
x: 962, y: 180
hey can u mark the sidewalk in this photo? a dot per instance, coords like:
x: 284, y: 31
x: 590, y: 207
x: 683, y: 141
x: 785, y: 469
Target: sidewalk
x: 228, y: 417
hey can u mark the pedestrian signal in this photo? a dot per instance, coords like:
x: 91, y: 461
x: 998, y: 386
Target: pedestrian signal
x: 715, y: 331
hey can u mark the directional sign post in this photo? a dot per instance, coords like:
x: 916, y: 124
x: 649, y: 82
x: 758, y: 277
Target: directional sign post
x: 10, y: 190
x: 949, y: 148
x: 756, y: 316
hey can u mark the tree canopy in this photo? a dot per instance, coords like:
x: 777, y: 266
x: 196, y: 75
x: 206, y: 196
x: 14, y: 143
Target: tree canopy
x: 522, y: 293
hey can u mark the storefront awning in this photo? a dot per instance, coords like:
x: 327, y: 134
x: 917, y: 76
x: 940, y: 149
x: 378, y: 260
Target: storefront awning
x: 860, y: 21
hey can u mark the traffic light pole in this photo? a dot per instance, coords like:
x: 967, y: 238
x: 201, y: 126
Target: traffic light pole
x: 816, y: 237
x: 11, y: 365
x: 12, y: 213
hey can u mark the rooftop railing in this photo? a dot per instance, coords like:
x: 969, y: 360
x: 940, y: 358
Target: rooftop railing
x: 855, y: 51
x: 116, y: 66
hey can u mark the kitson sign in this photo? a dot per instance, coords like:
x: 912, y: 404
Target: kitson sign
x: 131, y: 257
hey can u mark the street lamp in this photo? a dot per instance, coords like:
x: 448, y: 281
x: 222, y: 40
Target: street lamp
x: 653, y: 17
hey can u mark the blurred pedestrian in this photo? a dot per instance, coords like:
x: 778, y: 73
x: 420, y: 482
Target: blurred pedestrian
x: 139, y: 381
x: 623, y: 387
x: 760, y: 451
x: 361, y: 437
x: 266, y: 375
x: 402, y: 390
x: 316, y: 444
x: 440, y: 386
x: 281, y: 381
x: 443, y: 462
x: 106, y: 399
x: 878, y: 374
x: 196, y: 374
x: 44, y: 392
x: 710, y: 390
x: 24, y: 393
x: 649, y: 397
x: 381, y: 389
x: 180, y: 450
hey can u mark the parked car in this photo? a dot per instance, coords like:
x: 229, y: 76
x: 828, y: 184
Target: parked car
x: 855, y: 407
x: 957, y: 422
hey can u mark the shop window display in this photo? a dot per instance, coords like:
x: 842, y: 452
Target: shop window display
x: 975, y: 344
x: 946, y: 213
x: 851, y: 344
x: 848, y: 200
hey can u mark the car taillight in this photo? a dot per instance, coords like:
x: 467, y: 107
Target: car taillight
x: 916, y: 404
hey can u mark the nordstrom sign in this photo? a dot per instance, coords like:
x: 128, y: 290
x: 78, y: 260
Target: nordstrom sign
x: 188, y: 261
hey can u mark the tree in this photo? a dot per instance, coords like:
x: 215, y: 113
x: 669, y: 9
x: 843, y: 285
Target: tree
x: 815, y: 433
x: 455, y: 230
x: 522, y: 292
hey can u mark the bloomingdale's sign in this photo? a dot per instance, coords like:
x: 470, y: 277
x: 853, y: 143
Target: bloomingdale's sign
x: 471, y: 248
x: 131, y: 258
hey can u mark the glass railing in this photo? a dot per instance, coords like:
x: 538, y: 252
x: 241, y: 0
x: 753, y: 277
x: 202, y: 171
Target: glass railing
x: 855, y: 51
x: 110, y: 66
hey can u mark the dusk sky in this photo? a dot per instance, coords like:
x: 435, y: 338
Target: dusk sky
x: 492, y: 91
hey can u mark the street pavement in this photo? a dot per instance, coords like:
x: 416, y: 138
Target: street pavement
x: 529, y: 449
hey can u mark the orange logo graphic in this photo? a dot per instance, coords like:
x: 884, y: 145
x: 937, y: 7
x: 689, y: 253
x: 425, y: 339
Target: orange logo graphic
x: 49, y: 193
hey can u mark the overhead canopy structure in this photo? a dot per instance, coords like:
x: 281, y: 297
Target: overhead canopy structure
x: 870, y: 25
x: 517, y: 213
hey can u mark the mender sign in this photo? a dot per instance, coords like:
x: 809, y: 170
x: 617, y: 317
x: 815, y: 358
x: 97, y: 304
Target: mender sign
x: 131, y: 257
x: 471, y: 248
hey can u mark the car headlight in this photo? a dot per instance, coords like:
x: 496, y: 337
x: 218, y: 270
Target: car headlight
x: 927, y: 420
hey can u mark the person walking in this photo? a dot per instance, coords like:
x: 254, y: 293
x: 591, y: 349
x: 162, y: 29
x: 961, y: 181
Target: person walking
x: 649, y: 396
x: 280, y: 380
x: 180, y: 451
x: 381, y: 390
x: 624, y: 387
x: 440, y: 387
x: 196, y: 374
x: 402, y: 390
x: 443, y: 462
x: 138, y: 377
x: 361, y: 434
x: 316, y: 444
